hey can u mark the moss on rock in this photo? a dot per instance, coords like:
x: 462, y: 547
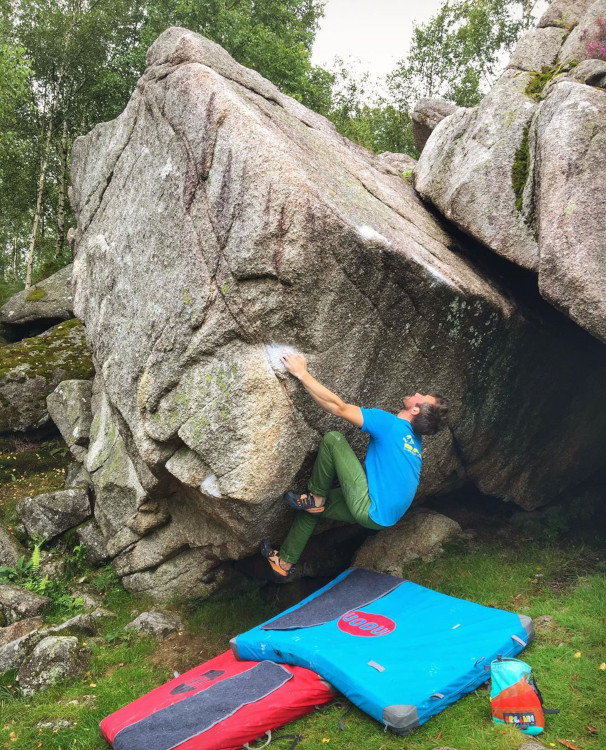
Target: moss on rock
x: 36, y: 294
x: 40, y: 356
x: 520, y: 169
x: 32, y: 368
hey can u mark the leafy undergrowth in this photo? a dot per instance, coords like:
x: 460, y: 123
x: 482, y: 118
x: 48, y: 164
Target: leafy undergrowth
x: 498, y: 567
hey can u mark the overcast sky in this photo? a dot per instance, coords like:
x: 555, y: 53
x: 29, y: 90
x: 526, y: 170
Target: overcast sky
x: 377, y: 32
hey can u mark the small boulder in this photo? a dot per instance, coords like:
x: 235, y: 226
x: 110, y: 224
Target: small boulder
x: 52, y: 660
x: 50, y: 514
x: 70, y: 409
x: 78, y: 625
x: 55, y: 725
x: 419, y: 534
x: 426, y: 115
x: 157, y: 622
x: 53, y: 567
x: 17, y: 603
x: 402, y: 163
x: 13, y: 653
x: 91, y: 536
x: 564, y: 14
x: 10, y: 549
x: 19, y: 629
x: 49, y: 300
x: 143, y: 523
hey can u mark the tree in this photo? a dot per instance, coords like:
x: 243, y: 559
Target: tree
x: 459, y: 53
x: 69, y: 64
x: 371, y: 121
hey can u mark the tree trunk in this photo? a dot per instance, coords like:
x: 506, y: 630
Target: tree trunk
x: 62, y: 189
x: 41, y: 178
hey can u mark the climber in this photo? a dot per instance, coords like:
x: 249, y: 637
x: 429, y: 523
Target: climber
x: 375, y: 496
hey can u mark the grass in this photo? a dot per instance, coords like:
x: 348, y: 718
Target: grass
x: 525, y: 571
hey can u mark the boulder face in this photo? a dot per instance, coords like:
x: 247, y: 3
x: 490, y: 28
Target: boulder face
x: 219, y: 220
x: 523, y: 172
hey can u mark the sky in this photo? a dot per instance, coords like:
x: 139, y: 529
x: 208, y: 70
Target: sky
x: 377, y: 32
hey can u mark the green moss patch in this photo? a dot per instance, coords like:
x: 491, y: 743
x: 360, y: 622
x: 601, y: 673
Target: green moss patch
x: 520, y: 169
x: 540, y: 78
x: 35, y: 294
x: 40, y: 356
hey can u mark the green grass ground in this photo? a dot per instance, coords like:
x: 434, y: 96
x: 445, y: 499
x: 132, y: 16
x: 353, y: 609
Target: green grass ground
x: 500, y: 566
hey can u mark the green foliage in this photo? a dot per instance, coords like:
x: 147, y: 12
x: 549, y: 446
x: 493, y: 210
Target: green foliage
x: 35, y: 559
x: 540, y: 79
x: 379, y: 126
x: 106, y: 580
x: 457, y: 54
x: 18, y: 574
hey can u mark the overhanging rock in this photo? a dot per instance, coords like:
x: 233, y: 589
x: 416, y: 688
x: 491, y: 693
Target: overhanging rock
x: 219, y: 219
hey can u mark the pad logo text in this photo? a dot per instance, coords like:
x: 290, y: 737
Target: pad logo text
x: 365, y: 624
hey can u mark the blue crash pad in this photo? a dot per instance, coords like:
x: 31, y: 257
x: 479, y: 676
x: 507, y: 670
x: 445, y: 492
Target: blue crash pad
x: 397, y: 650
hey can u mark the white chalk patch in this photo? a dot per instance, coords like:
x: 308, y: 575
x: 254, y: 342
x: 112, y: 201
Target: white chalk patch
x: 166, y: 169
x: 434, y: 272
x: 211, y: 486
x: 368, y: 234
x: 274, y: 351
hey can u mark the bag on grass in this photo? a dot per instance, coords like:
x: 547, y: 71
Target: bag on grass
x: 515, y: 698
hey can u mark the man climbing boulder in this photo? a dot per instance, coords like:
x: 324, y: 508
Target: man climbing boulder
x: 375, y: 496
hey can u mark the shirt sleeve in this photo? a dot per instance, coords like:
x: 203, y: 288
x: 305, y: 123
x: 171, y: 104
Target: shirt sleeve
x: 376, y: 422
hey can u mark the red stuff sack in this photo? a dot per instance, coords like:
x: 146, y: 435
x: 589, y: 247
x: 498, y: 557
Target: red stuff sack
x: 219, y: 705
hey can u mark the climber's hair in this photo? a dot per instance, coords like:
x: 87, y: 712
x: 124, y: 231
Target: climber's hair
x: 432, y: 418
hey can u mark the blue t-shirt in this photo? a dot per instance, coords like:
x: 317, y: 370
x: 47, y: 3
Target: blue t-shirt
x: 393, y: 465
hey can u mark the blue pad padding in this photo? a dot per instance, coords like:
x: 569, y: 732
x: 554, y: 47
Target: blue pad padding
x: 403, y: 657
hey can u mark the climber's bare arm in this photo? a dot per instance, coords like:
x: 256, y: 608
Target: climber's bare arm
x: 329, y: 401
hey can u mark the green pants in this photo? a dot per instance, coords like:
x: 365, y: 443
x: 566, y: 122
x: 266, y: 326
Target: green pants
x: 348, y: 502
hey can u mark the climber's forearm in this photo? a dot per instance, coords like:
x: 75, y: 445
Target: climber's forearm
x: 324, y: 397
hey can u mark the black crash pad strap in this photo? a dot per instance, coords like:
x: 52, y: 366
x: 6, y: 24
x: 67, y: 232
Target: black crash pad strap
x: 170, y: 726
x: 359, y: 588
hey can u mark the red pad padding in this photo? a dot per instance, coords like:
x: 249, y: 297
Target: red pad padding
x: 297, y: 697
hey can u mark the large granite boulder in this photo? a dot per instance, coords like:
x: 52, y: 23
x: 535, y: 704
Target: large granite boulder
x: 31, y: 369
x: 47, y: 301
x: 218, y: 220
x: 523, y: 172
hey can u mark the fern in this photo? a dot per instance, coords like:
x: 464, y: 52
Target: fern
x: 35, y: 560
